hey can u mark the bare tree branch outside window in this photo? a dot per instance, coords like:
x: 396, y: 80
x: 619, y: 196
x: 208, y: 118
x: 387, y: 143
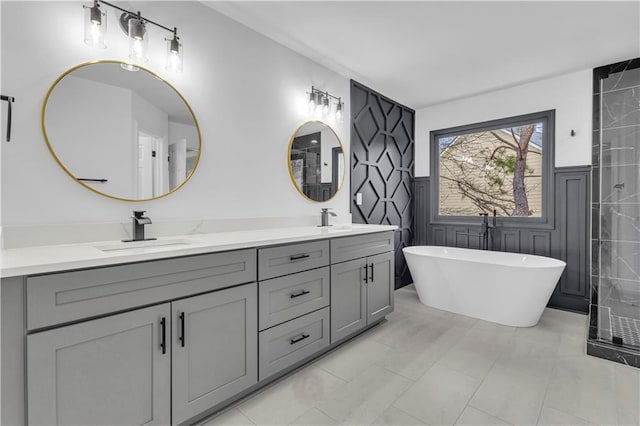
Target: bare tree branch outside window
x: 497, y: 169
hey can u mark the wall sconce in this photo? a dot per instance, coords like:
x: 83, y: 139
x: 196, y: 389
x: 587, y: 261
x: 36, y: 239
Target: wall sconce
x: 135, y: 26
x: 326, y: 104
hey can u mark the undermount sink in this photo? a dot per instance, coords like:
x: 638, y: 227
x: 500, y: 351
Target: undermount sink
x: 150, y: 244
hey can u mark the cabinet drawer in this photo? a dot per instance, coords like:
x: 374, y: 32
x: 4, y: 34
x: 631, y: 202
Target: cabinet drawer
x: 293, y: 341
x: 291, y: 258
x: 348, y: 248
x: 285, y: 298
x: 69, y: 296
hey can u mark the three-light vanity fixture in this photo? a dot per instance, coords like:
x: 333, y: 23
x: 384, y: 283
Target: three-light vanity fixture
x: 135, y: 26
x: 325, y: 103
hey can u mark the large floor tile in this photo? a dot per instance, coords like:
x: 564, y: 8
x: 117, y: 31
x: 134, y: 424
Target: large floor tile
x: 231, y: 417
x: 354, y: 357
x: 540, y: 341
x: 366, y: 397
x: 415, y: 356
x: 313, y: 417
x: 572, y: 345
x: 477, y: 350
x: 627, y: 385
x: 394, y: 416
x: 553, y: 417
x: 439, y: 397
x: 405, y: 329
x: 473, y: 416
x: 584, y: 387
x: 514, y: 389
x: 287, y: 400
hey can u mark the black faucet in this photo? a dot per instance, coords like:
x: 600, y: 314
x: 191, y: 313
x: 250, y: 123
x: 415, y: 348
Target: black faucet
x: 324, y: 217
x: 139, y: 221
x: 486, y: 227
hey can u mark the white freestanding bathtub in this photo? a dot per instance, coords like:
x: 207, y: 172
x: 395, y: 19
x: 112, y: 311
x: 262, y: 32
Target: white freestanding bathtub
x: 506, y: 288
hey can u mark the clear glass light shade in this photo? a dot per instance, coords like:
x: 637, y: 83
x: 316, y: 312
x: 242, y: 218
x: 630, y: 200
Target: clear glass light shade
x: 319, y: 103
x: 174, y: 55
x: 138, y: 40
x: 95, y: 27
x: 339, y: 112
x: 313, y: 98
x: 325, y: 105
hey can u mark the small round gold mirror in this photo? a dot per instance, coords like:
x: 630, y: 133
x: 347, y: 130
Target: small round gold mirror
x: 316, y: 161
x: 121, y: 131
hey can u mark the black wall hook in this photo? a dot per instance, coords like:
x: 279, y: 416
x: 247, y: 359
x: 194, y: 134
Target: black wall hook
x: 10, y: 100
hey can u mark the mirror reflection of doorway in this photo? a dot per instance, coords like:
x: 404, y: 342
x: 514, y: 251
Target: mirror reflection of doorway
x: 150, y: 170
x: 307, y: 149
x: 177, y: 163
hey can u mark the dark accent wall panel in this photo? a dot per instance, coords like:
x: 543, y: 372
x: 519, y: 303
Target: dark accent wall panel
x: 510, y: 241
x: 382, y: 158
x: 421, y: 204
x: 540, y: 243
x: 567, y: 239
x: 572, y: 217
x: 439, y: 236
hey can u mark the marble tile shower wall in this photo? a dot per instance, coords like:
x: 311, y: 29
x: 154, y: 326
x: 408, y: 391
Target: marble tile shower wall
x: 616, y: 193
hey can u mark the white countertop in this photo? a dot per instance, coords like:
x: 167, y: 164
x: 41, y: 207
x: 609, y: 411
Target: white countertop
x: 54, y: 258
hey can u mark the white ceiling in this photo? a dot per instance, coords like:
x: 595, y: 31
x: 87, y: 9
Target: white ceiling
x: 146, y: 85
x: 422, y: 53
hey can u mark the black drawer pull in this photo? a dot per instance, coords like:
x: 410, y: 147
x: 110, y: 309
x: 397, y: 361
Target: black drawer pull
x: 366, y: 274
x: 371, y: 278
x: 299, y: 339
x: 163, y: 335
x: 300, y: 293
x: 299, y: 256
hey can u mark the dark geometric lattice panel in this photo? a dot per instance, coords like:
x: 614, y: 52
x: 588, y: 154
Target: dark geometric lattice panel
x: 382, y: 158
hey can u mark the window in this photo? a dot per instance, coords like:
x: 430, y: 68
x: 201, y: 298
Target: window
x: 503, y: 165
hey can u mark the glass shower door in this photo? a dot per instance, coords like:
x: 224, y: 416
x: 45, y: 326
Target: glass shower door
x: 619, y: 210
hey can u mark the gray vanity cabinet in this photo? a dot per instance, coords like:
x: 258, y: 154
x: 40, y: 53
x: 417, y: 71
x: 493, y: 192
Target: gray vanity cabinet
x: 166, y: 341
x: 362, y: 288
x: 214, y: 349
x: 380, y: 287
x: 111, y: 370
x: 348, y: 298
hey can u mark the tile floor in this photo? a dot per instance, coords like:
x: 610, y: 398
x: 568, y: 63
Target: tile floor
x: 425, y: 366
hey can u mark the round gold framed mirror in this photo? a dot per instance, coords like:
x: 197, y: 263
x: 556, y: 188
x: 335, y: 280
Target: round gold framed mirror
x: 121, y: 130
x: 316, y: 161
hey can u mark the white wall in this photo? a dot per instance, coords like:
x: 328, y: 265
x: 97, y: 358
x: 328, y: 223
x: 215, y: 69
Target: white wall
x: 179, y: 131
x: 569, y: 95
x: 88, y: 147
x: 151, y: 120
x: 247, y: 92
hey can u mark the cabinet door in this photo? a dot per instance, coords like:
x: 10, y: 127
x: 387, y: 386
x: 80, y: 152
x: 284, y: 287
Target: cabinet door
x: 348, y: 298
x: 215, y: 349
x: 109, y: 371
x: 380, y: 286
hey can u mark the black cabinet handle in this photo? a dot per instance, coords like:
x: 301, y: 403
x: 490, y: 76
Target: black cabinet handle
x: 181, y: 337
x: 299, y: 339
x: 10, y: 100
x: 163, y: 335
x: 299, y: 256
x: 371, y: 278
x: 366, y: 274
x: 300, y: 293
